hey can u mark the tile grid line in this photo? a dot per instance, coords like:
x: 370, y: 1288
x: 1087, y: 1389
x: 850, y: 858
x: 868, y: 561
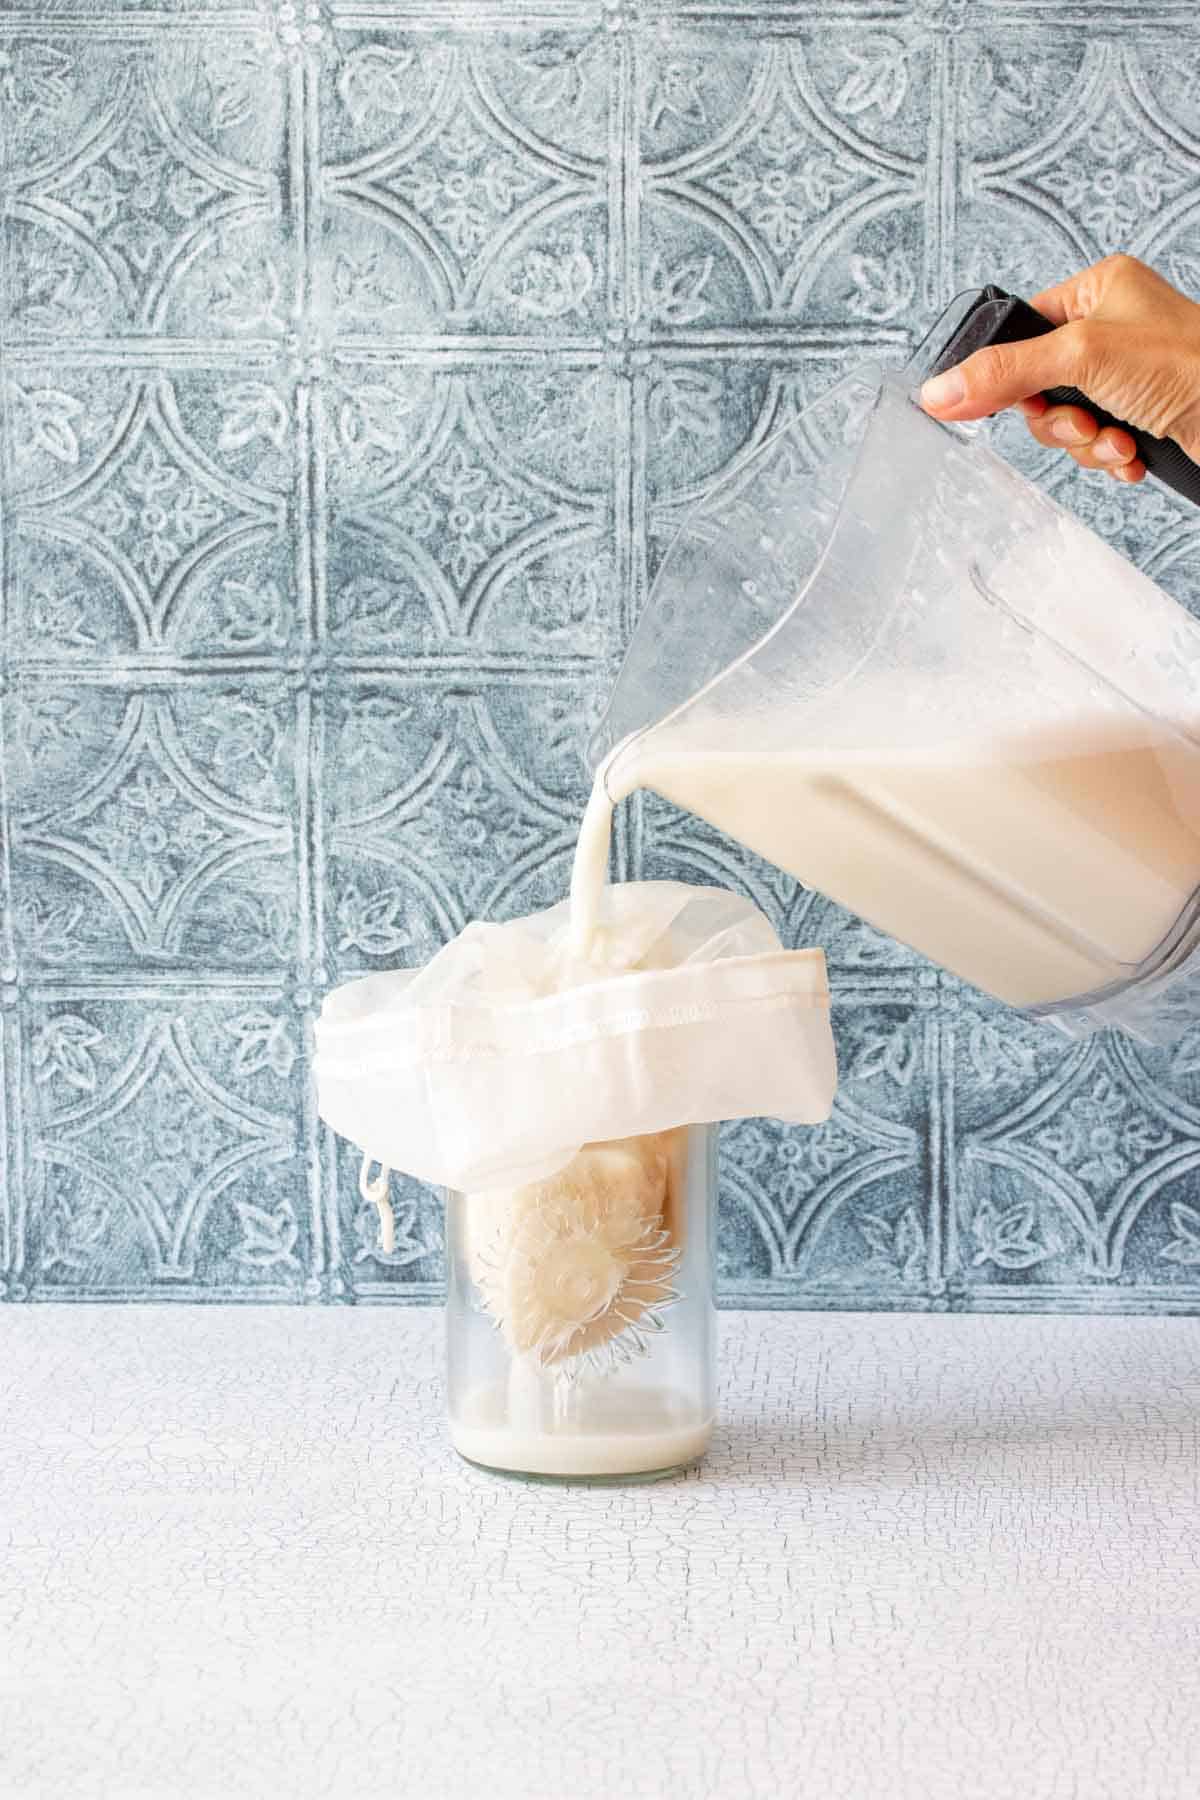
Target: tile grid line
x: 311, y: 528
x: 942, y: 190
x: 12, y: 1196
x: 631, y: 500
x: 1165, y: 16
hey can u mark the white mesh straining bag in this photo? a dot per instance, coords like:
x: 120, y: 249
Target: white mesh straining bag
x: 497, y: 1062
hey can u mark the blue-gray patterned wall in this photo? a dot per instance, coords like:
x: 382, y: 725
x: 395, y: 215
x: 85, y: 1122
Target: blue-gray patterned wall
x: 358, y: 359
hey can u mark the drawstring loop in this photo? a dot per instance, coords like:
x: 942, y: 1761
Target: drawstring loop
x: 376, y: 1194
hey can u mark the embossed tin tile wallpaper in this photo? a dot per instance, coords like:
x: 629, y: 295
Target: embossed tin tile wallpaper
x: 357, y: 361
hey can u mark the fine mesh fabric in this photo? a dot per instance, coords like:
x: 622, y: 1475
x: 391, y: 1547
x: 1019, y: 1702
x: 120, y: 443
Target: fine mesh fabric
x: 496, y: 1063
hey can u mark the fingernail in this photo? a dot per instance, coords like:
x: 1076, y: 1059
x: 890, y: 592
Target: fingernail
x: 944, y: 390
x: 1106, y: 452
x: 1066, y: 433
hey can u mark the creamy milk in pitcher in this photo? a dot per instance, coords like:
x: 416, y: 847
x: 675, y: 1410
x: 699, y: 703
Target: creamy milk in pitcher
x: 880, y: 658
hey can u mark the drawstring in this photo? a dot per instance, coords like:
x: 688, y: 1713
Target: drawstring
x: 376, y: 1194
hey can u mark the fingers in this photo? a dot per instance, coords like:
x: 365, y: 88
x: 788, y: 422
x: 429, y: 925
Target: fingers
x: 1072, y: 429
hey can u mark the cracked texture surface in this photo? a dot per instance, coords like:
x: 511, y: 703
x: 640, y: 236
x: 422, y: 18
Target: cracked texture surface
x: 929, y: 1558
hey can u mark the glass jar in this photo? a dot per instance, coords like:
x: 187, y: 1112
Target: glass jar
x: 580, y: 1325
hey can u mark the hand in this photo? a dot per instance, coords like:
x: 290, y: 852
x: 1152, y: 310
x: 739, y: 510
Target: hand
x: 1126, y: 338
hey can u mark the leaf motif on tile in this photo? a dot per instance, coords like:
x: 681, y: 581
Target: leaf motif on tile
x: 685, y: 403
x: 264, y: 1041
x: 1184, y: 1247
x: 48, y: 725
x: 675, y: 295
x: 560, y: 724
x: 373, y: 83
x: 878, y: 78
x: 251, y: 410
x: 268, y: 1238
x: 76, y: 1223
x: 374, y: 610
x: 374, y: 727
x: 245, y: 736
x: 894, y: 1055
x: 997, y: 80
x: 248, y: 927
x: 61, y: 618
x: 998, y: 1057
x: 576, y: 415
x: 676, y: 91
x: 407, y: 1248
x: 567, y: 605
x: 373, y: 922
x: 1007, y: 1236
x: 231, y: 76
x: 884, y: 286
x: 62, y: 1050
x: 369, y: 415
x: 245, y: 290
x: 360, y: 284
x: 252, y: 615
x: 51, y: 300
x: 555, y: 73
x: 35, y: 77
x: 49, y: 931
x: 44, y: 419
x: 900, y: 1240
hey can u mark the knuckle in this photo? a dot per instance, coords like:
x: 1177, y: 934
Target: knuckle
x: 1081, y: 342
x: 1122, y: 267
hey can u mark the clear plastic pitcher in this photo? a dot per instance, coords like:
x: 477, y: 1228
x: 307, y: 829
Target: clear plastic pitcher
x: 882, y: 659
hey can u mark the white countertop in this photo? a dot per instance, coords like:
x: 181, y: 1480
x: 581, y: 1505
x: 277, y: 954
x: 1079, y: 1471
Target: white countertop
x: 939, y: 1557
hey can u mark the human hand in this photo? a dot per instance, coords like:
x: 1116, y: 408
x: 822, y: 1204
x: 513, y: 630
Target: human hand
x: 1126, y: 338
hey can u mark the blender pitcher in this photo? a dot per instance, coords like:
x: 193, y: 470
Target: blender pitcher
x: 882, y: 659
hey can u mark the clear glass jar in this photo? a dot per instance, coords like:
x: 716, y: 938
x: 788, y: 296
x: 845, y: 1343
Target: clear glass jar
x: 580, y: 1325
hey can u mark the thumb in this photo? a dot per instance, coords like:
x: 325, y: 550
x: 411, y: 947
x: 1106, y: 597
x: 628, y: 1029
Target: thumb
x: 1003, y: 374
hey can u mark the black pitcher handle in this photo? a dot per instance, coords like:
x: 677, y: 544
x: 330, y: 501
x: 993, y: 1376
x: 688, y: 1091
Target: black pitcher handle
x: 1000, y: 318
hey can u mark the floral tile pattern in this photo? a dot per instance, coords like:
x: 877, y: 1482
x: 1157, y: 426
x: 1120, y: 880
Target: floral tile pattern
x: 357, y: 360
